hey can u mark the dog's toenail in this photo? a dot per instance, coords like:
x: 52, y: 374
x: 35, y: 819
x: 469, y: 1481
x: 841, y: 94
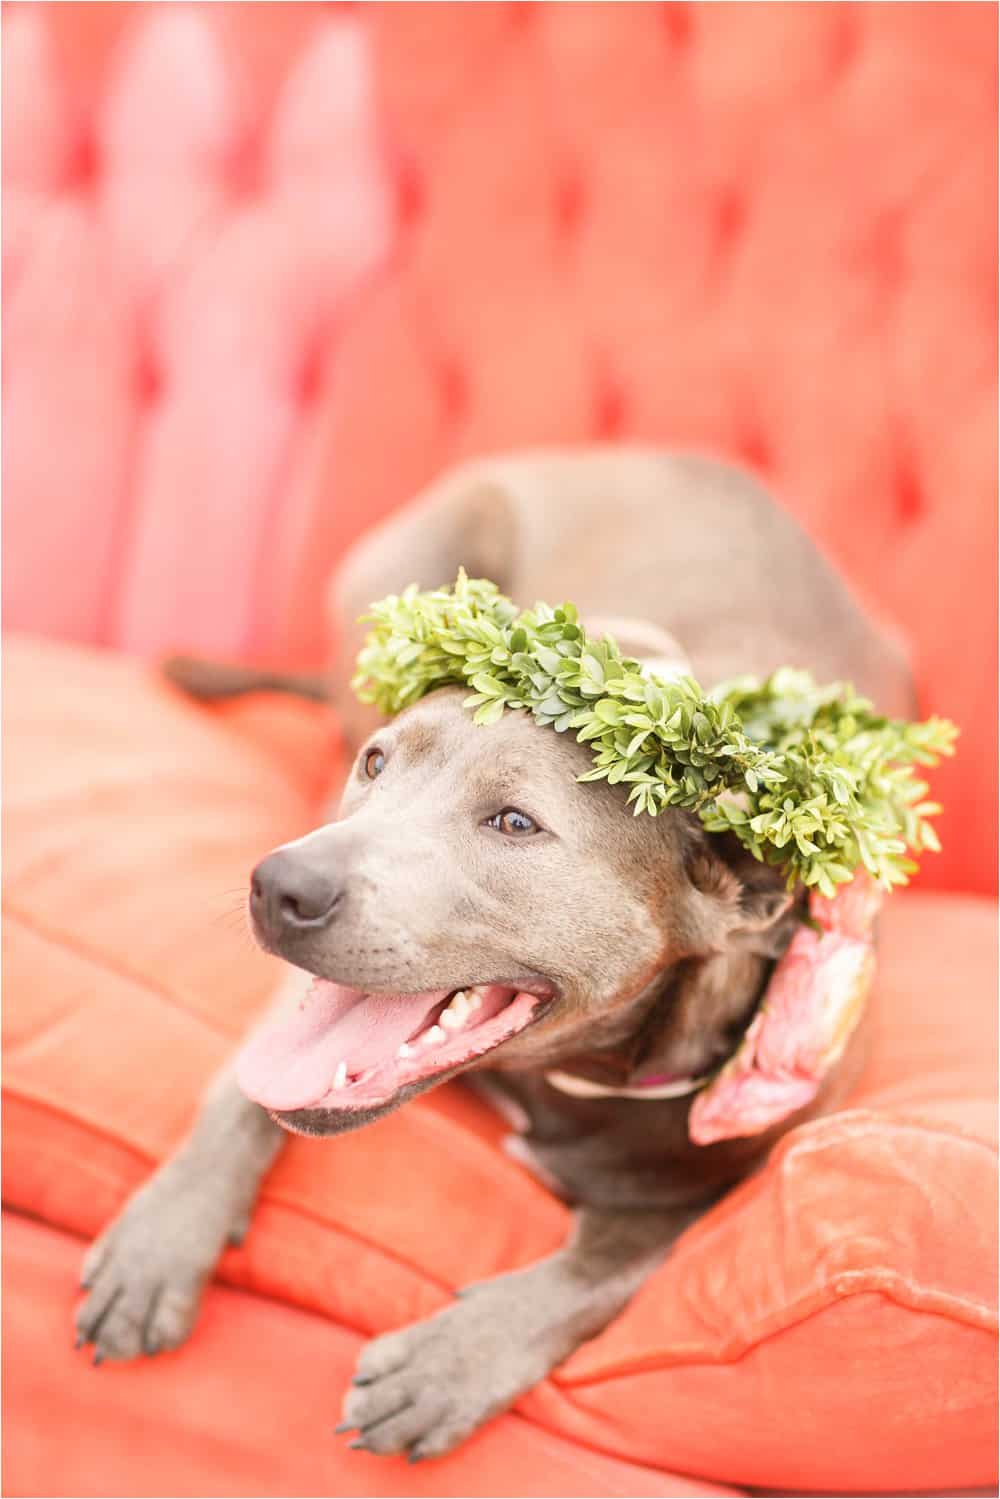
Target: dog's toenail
x: 338, y: 1431
x: 357, y: 1444
x: 414, y: 1456
x: 98, y: 1359
x: 80, y: 1340
x: 363, y: 1379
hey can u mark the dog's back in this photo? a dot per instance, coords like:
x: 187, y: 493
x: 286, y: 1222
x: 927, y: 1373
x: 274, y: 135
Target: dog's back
x: 691, y: 545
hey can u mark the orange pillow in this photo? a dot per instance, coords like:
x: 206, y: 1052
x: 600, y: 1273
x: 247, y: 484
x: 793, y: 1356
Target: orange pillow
x: 831, y: 1324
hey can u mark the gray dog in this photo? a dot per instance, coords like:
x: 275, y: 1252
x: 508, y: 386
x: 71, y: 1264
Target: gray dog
x: 478, y: 911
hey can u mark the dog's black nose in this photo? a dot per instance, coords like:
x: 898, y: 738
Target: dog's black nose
x: 290, y: 894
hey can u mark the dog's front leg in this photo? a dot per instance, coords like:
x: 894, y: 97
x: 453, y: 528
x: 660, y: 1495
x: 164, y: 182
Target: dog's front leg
x: 146, y: 1273
x: 426, y: 1387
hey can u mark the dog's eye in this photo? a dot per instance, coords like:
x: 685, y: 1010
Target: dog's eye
x: 511, y: 821
x: 374, y: 763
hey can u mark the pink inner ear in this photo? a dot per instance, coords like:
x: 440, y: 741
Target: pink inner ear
x: 659, y: 652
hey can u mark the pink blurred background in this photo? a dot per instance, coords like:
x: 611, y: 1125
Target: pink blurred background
x: 269, y: 268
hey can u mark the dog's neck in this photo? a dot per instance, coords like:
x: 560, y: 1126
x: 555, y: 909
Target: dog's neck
x: 684, y: 1025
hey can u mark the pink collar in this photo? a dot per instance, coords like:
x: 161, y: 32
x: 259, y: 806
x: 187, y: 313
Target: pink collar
x: 813, y: 1003
x: 660, y: 1086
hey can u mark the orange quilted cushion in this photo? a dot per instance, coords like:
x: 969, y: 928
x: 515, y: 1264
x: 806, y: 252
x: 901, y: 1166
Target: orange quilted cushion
x: 830, y: 1325
x: 222, y: 1421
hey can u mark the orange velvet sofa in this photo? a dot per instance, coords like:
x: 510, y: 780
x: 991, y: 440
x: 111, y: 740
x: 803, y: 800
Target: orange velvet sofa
x: 267, y: 270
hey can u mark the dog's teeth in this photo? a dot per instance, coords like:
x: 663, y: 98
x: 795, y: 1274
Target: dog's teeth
x: 456, y: 1015
x: 404, y: 1051
x: 433, y: 1036
x: 457, y: 1011
x: 474, y: 999
x: 340, y: 1076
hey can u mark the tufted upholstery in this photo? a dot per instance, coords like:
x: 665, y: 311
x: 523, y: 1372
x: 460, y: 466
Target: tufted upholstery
x: 270, y: 267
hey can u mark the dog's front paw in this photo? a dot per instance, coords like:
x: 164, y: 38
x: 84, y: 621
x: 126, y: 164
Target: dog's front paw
x: 425, y: 1388
x: 146, y: 1273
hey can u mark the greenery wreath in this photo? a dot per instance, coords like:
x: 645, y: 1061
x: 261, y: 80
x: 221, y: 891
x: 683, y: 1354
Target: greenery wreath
x: 808, y: 777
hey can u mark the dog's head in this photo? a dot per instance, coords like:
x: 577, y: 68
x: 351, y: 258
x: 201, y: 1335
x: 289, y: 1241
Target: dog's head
x: 474, y: 904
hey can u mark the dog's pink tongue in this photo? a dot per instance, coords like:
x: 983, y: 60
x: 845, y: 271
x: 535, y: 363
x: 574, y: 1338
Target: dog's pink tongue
x: 292, y: 1064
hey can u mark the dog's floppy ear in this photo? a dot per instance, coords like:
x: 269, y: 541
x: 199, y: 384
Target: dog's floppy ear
x: 767, y: 922
x: 729, y: 917
x: 736, y: 902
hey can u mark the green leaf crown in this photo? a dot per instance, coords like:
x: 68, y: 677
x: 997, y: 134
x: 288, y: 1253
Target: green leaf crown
x: 809, y: 777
